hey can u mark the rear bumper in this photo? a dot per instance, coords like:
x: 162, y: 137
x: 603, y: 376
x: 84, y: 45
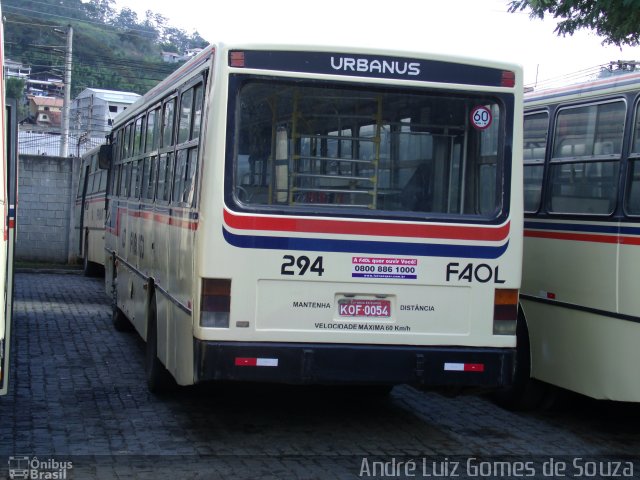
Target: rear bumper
x: 335, y: 364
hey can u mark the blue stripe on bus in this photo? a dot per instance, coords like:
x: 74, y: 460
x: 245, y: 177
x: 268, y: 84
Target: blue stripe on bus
x: 613, y: 229
x: 364, y: 247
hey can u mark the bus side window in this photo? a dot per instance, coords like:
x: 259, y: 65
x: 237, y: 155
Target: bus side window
x: 93, y: 183
x: 167, y: 122
x: 165, y: 176
x: 584, y: 168
x: 190, y: 179
x: 632, y: 201
x: 138, y: 138
x: 151, y: 181
x: 197, y: 111
x: 146, y: 165
x: 115, y: 181
x: 125, y: 179
x: 136, y: 177
x: 184, y: 184
x: 186, y: 110
x: 103, y: 181
x: 633, y: 197
x: 152, y: 139
x: 178, y: 183
x: 535, y: 141
x: 127, y: 140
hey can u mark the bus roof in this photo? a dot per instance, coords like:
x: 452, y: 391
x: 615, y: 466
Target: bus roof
x: 614, y: 84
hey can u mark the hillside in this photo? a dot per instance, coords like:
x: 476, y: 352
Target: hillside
x: 111, y: 49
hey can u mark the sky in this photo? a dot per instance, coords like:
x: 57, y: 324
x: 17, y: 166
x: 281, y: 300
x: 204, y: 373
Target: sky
x: 470, y: 28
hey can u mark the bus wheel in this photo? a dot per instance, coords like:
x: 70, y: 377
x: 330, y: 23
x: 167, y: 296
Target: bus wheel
x: 89, y: 269
x: 120, y: 322
x: 159, y: 380
x: 525, y: 393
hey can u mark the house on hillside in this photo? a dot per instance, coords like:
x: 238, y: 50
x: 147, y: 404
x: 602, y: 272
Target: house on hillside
x: 172, y: 57
x: 45, y: 111
x: 15, y: 69
x: 94, y: 109
x: 50, y: 87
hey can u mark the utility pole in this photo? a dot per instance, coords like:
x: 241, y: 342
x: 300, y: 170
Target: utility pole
x: 66, y: 106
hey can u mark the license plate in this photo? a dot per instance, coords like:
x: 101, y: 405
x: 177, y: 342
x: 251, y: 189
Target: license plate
x: 364, y: 308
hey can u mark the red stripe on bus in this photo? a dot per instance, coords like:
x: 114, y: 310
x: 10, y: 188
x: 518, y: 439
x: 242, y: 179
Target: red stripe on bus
x: 584, y: 237
x: 629, y: 240
x: 350, y: 227
x: 155, y: 217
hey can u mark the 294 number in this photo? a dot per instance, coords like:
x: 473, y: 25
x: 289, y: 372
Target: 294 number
x: 301, y: 265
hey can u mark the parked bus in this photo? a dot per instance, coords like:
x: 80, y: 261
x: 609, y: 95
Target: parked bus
x: 580, y: 303
x: 90, y: 213
x: 309, y: 216
x: 8, y: 197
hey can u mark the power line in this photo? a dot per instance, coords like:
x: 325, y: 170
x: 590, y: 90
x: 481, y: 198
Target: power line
x: 30, y: 24
x: 128, y: 30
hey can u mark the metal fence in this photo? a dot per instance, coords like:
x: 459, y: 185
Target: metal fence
x: 45, y: 143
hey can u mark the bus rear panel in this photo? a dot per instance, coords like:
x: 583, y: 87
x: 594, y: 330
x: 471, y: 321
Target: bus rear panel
x: 336, y: 218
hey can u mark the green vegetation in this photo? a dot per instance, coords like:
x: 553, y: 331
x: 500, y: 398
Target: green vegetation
x: 112, y: 49
x: 618, y: 21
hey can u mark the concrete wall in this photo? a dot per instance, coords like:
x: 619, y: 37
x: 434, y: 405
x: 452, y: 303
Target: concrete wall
x: 46, y: 195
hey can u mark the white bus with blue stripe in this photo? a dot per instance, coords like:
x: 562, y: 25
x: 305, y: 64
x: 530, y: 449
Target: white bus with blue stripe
x: 309, y: 215
x: 580, y: 299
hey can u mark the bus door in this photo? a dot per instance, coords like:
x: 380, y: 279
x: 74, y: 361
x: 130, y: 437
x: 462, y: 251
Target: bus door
x: 11, y: 159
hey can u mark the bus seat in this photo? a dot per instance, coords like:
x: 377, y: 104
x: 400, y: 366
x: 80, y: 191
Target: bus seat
x: 533, y: 153
x: 572, y: 150
x: 603, y: 148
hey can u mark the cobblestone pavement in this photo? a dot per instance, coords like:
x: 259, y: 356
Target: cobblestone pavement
x: 79, y: 408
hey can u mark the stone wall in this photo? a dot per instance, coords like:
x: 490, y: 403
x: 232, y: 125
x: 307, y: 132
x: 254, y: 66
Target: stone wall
x: 46, y: 230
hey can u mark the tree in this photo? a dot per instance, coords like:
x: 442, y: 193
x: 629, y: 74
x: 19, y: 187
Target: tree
x: 100, y: 10
x: 617, y: 21
x: 126, y: 19
x: 196, y: 41
x: 175, y: 40
x: 14, y: 88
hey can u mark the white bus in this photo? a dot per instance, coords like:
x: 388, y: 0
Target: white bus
x: 307, y: 215
x: 90, y: 213
x: 8, y: 197
x: 580, y: 302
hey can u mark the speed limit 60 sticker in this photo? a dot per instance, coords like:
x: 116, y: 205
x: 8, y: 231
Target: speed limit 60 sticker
x: 380, y: 267
x: 481, y: 117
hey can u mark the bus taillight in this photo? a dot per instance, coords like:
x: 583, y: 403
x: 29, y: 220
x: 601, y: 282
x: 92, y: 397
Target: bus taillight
x: 236, y: 59
x: 216, y: 302
x: 505, y: 311
x: 508, y: 79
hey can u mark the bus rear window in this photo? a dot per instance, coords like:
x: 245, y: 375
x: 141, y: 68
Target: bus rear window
x: 382, y: 150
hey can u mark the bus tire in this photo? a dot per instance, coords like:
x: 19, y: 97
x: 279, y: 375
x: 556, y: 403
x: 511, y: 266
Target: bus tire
x: 120, y: 321
x: 89, y: 268
x: 159, y: 380
x: 525, y: 393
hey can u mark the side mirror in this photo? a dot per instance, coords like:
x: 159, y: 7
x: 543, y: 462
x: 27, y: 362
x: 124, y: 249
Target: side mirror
x: 104, y: 156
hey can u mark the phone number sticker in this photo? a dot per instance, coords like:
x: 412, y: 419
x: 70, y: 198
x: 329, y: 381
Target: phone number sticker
x: 379, y: 267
